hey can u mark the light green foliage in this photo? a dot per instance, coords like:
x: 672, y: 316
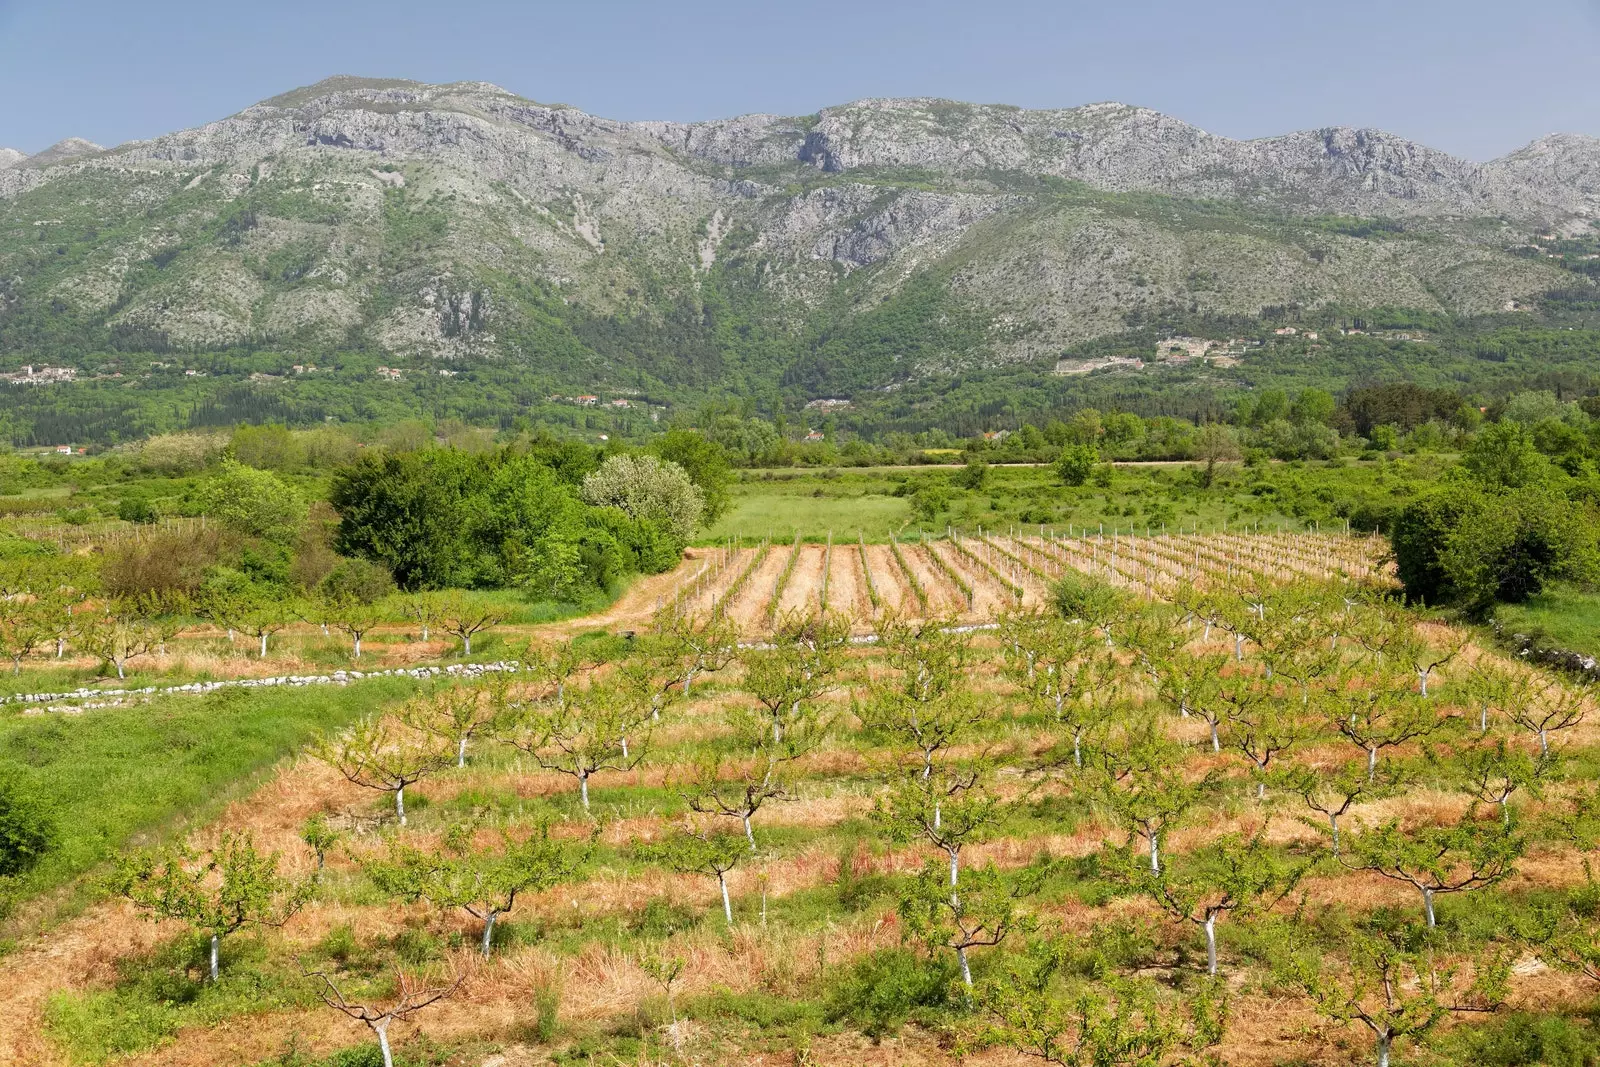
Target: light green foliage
x: 219, y: 892
x: 253, y: 502
x: 28, y: 829
x: 381, y: 753
x: 704, y: 461
x: 484, y: 881
x: 695, y: 849
x: 1231, y: 874
x: 1136, y: 772
x: 1399, y: 982
x: 1437, y: 860
x: 321, y: 836
x: 1077, y: 462
x: 648, y: 489
x: 982, y: 912
x: 465, y: 615
x: 1038, y: 1011
x: 582, y: 730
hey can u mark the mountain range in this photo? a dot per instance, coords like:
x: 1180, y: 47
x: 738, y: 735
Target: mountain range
x: 851, y: 249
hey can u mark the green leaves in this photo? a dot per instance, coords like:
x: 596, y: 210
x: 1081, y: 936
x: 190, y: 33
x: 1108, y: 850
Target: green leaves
x: 483, y: 880
x: 218, y: 891
x: 253, y: 502
x: 1039, y: 1011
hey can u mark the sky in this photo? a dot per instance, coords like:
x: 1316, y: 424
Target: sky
x: 1474, y: 77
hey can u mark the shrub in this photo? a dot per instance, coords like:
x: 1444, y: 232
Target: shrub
x: 27, y: 828
x: 161, y: 563
x: 1076, y: 463
x: 882, y: 990
x: 647, y: 488
x: 181, y: 453
x: 253, y: 502
x: 1078, y: 596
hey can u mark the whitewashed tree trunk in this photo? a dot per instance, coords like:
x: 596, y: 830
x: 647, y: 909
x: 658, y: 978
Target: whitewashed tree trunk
x: 488, y: 931
x: 381, y: 1028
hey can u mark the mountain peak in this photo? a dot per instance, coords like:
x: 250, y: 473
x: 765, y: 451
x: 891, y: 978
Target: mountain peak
x: 339, y: 83
x: 10, y: 157
x: 350, y: 85
x: 71, y: 148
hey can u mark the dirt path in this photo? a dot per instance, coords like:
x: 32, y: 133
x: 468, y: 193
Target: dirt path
x: 990, y: 599
x: 749, y: 609
x: 845, y: 593
x: 891, y: 584
x: 943, y: 596
x: 805, y: 584
x: 634, y: 607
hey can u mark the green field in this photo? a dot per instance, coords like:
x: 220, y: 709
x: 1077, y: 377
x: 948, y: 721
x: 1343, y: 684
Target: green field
x: 115, y: 777
x: 880, y: 501
x: 1561, y: 617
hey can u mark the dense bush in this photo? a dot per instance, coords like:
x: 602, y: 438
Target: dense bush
x: 27, y: 830
x: 884, y: 989
x: 1475, y: 547
x: 440, y: 518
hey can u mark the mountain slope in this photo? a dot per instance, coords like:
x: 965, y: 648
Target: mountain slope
x: 866, y: 244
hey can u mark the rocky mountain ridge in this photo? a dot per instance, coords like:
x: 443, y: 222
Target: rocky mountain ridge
x: 454, y: 220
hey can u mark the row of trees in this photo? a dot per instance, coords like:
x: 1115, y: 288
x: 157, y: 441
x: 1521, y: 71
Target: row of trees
x: 1147, y: 715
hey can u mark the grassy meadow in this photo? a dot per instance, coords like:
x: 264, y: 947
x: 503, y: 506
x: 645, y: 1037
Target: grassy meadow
x: 906, y: 502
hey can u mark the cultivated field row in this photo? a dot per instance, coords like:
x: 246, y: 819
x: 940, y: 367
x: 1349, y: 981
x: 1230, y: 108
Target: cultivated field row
x: 980, y: 578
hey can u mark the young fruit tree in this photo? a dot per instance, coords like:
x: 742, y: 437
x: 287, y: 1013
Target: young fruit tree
x: 585, y: 733
x: 119, y: 635
x: 320, y: 836
x: 464, y: 616
x: 1138, y: 773
x: 1436, y: 860
x: 697, y: 849
x: 218, y: 892
x: 1379, y: 711
x: 740, y: 786
x: 1232, y: 874
x: 1262, y: 726
x: 1492, y: 769
x: 789, y: 677
x: 458, y: 713
x: 949, y: 809
x: 982, y: 914
x: 410, y: 996
x: 699, y: 646
x: 928, y: 704
x: 423, y: 609
x: 1398, y: 982
x: 356, y: 618
x: 1544, y: 710
x: 385, y: 754
x: 482, y: 881
x: 1332, y: 793
x: 24, y: 626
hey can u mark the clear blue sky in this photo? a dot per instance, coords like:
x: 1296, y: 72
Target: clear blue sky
x: 1474, y: 77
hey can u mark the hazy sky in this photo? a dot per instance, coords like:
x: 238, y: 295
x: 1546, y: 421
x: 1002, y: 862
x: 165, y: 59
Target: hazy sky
x: 1475, y: 77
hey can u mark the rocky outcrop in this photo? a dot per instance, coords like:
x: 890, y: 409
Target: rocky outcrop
x: 10, y: 157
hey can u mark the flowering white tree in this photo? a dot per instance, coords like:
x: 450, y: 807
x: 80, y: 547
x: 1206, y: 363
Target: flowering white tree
x: 649, y: 488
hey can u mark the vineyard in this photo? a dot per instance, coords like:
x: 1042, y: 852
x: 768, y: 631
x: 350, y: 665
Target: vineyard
x: 984, y: 576
x: 1208, y: 799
